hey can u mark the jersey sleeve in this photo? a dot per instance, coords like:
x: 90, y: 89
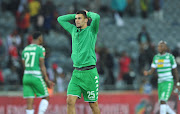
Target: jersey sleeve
x: 153, y: 64
x: 95, y: 21
x: 173, y: 62
x: 63, y: 21
x: 42, y: 52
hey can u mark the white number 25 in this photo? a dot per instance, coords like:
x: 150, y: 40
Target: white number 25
x: 91, y: 94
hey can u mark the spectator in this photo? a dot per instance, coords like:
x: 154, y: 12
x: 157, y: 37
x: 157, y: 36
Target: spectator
x: 124, y: 63
x: 23, y: 21
x: 34, y: 8
x: 11, y: 5
x: 109, y: 65
x: 40, y: 22
x: 14, y: 37
x: 22, y: 5
x: 29, y: 39
x: 158, y: 12
x: 1, y: 77
x: 118, y: 6
x: 131, y: 8
x: 146, y: 49
x: 144, y: 8
x: 48, y: 11
x: 144, y: 39
x: 57, y: 75
x: 2, y: 49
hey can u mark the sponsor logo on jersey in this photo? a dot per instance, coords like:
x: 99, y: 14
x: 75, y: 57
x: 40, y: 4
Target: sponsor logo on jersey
x: 160, y: 63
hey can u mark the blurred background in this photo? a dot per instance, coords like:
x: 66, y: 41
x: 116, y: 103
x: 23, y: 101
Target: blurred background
x: 127, y: 40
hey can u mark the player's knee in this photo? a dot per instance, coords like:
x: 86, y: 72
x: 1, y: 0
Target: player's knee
x: 94, y: 106
x: 47, y: 98
x: 70, y: 101
x: 163, y: 102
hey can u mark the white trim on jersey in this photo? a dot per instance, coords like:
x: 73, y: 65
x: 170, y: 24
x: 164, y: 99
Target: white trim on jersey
x: 162, y: 70
x: 33, y: 72
x: 174, y: 66
x: 153, y: 65
x: 165, y: 74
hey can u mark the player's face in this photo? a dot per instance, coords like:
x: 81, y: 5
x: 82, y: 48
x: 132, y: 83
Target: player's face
x: 80, y: 20
x: 161, y: 48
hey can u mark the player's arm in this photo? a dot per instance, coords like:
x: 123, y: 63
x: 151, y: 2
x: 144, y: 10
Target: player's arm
x: 153, y: 68
x: 64, y: 22
x: 149, y: 72
x: 49, y: 83
x: 23, y: 63
x: 95, y: 21
x: 175, y: 71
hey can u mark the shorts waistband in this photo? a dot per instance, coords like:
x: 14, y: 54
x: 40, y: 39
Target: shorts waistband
x: 85, y: 68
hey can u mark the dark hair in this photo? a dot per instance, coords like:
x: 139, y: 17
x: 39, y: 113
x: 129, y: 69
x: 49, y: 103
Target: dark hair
x: 82, y: 12
x: 36, y: 34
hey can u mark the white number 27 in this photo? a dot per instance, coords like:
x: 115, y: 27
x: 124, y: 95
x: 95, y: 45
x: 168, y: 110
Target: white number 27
x: 29, y: 59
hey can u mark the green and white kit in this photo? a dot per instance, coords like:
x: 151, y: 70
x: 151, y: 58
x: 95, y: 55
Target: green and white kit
x: 33, y: 82
x: 164, y: 65
x: 83, y: 55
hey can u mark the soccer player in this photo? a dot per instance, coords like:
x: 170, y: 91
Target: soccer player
x: 35, y: 79
x: 164, y: 63
x: 85, y: 78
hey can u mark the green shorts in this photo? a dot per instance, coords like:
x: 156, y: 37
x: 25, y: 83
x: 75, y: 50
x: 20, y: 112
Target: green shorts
x: 85, y: 82
x: 34, y: 86
x: 165, y: 90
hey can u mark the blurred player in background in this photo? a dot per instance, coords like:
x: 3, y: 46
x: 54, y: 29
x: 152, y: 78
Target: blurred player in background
x: 164, y: 63
x: 35, y: 79
x: 85, y: 78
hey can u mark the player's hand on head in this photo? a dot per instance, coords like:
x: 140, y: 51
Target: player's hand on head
x: 86, y: 11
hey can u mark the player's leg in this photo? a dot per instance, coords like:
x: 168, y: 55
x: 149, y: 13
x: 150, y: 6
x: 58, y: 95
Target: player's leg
x: 43, y: 105
x: 29, y: 109
x: 40, y: 89
x: 163, y: 108
x: 73, y: 92
x: 71, y: 100
x: 90, y: 89
x: 28, y: 94
x: 164, y: 92
x: 95, y: 108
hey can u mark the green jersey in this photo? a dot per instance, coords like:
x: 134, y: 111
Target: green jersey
x: 83, y: 40
x: 164, y: 65
x: 31, y: 55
